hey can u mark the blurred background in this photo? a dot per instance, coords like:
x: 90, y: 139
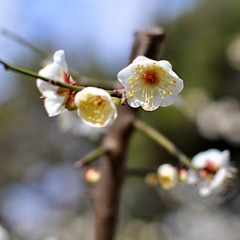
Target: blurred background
x: 42, y: 196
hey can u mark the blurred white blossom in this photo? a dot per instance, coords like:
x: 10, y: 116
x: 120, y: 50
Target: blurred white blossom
x: 167, y: 176
x: 219, y: 119
x: 215, y: 172
x: 233, y: 52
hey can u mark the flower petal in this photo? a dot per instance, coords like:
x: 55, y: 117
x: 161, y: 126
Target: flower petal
x: 124, y: 75
x: 207, y: 189
x: 53, y: 71
x: 54, y: 106
x: 46, y: 89
x: 143, y: 60
x: 165, y: 64
x: 59, y: 58
x: 133, y: 102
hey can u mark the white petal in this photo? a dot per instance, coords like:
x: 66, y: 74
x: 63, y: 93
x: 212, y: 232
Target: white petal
x: 59, y: 58
x: 46, y: 88
x: 54, y: 106
x: 92, y: 91
x: 57, y: 69
x: 225, y: 157
x: 219, y: 178
x: 53, y: 71
x: 133, y: 102
x: 169, y: 100
x: 156, y: 101
x: 200, y: 160
x: 165, y: 64
x: 143, y: 60
x: 179, y: 86
x: 124, y: 75
x: 205, y: 191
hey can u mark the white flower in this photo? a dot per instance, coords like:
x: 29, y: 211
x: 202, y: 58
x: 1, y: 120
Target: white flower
x: 57, y: 99
x: 95, y: 106
x: 150, y: 84
x: 215, y: 171
x: 167, y: 176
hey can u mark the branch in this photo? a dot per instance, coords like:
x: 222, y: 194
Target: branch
x: 29, y: 73
x: 164, y: 142
x: 90, y: 157
x: 116, y: 141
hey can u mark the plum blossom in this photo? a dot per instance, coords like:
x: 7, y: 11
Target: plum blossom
x: 215, y: 172
x: 95, y: 106
x: 56, y: 99
x: 150, y: 84
x: 167, y: 176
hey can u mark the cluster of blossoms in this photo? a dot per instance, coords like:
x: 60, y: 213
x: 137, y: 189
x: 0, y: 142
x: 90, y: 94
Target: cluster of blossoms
x: 147, y: 83
x: 213, y: 173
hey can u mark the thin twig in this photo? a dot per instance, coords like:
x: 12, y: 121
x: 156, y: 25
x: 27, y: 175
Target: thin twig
x: 163, y: 141
x: 90, y: 157
x: 29, y: 73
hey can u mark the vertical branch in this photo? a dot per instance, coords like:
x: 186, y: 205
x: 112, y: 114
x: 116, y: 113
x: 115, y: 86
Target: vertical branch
x: 148, y: 43
x: 106, y: 202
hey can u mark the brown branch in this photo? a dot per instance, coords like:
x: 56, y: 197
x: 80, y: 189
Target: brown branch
x: 147, y: 42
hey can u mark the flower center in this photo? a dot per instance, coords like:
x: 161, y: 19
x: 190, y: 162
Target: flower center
x: 151, y: 78
x: 94, y: 108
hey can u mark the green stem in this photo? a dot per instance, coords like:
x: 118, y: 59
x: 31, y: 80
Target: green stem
x: 53, y: 82
x: 91, y: 157
x: 35, y: 75
x: 164, y: 142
